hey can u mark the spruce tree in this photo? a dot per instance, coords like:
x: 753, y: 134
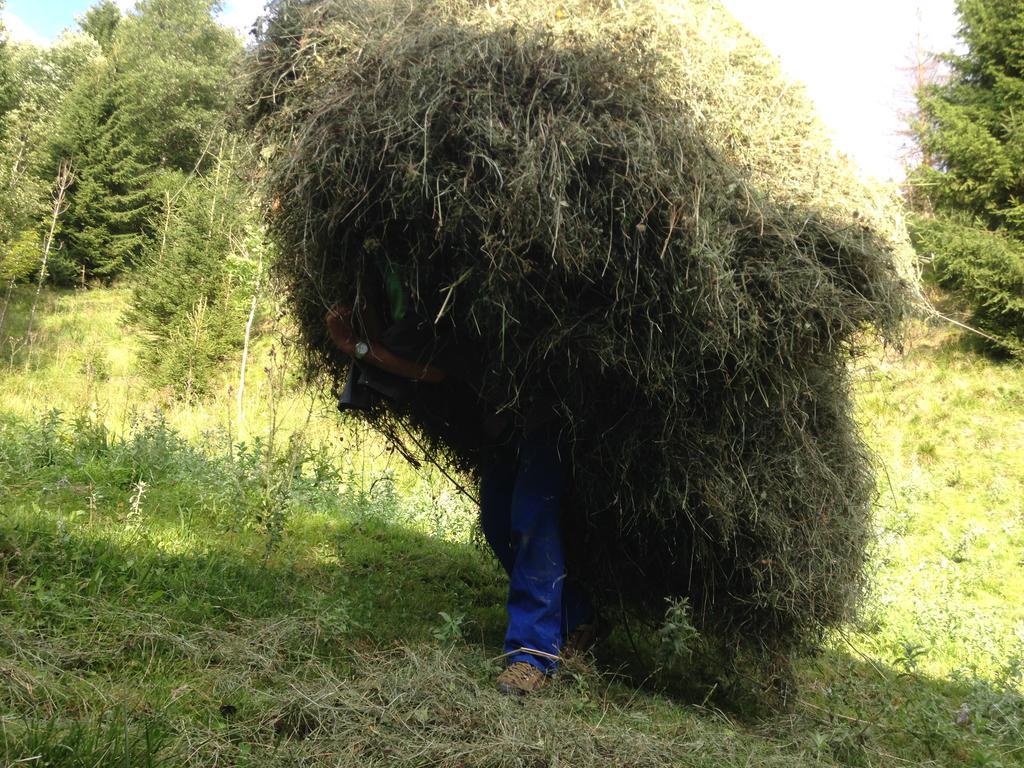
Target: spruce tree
x: 151, y: 106
x: 111, y: 205
x: 972, y: 128
x: 43, y: 78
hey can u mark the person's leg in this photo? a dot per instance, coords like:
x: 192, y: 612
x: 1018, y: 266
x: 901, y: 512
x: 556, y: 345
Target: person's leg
x: 497, y: 481
x: 538, y: 572
x: 576, y: 607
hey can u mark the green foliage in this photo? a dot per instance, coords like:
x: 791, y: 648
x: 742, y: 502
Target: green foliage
x: 973, y: 124
x: 100, y: 22
x: 174, y: 64
x: 43, y: 77
x: 971, y: 128
x: 984, y: 267
x: 124, y: 100
x: 151, y: 103
x: 151, y: 470
x: 106, y: 225
x: 451, y: 629
x: 7, y: 85
x: 20, y: 257
x: 677, y: 636
x: 192, y: 294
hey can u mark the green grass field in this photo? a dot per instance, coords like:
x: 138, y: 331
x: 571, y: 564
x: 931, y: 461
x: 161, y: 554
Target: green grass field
x: 179, y: 588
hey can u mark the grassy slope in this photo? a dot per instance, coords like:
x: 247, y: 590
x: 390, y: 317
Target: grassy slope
x: 950, y: 566
x: 230, y: 609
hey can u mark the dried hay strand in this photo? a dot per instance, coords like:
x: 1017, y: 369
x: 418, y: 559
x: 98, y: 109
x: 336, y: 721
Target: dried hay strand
x: 625, y: 205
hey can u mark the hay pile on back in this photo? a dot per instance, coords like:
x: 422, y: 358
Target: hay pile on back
x: 623, y: 204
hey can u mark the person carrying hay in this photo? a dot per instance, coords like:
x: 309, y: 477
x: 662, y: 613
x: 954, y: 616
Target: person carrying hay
x: 524, y: 480
x: 628, y: 206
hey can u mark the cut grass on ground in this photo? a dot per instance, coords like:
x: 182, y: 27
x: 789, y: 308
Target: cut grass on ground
x: 170, y: 598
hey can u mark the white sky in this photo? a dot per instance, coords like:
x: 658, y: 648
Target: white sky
x: 851, y: 55
x: 19, y: 30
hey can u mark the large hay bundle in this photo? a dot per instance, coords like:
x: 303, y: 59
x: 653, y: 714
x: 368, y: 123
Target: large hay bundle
x: 625, y: 205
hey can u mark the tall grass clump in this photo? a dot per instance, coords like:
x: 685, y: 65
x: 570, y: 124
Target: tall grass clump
x: 624, y: 209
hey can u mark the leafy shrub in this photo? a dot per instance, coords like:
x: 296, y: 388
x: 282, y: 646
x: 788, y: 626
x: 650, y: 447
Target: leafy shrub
x: 21, y: 260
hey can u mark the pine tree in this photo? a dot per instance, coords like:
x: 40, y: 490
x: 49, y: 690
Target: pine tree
x: 43, y: 78
x: 971, y: 127
x: 108, y: 221
x: 151, y: 105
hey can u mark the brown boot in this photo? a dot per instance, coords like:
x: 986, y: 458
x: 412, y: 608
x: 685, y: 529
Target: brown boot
x: 521, y: 678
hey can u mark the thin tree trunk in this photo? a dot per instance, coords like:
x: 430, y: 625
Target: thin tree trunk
x: 197, y: 319
x: 216, y: 182
x: 64, y: 179
x: 245, y: 346
x: 17, y: 169
x: 167, y: 223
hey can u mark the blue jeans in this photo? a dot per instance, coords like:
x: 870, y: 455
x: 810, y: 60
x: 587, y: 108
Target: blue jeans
x: 521, y: 491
